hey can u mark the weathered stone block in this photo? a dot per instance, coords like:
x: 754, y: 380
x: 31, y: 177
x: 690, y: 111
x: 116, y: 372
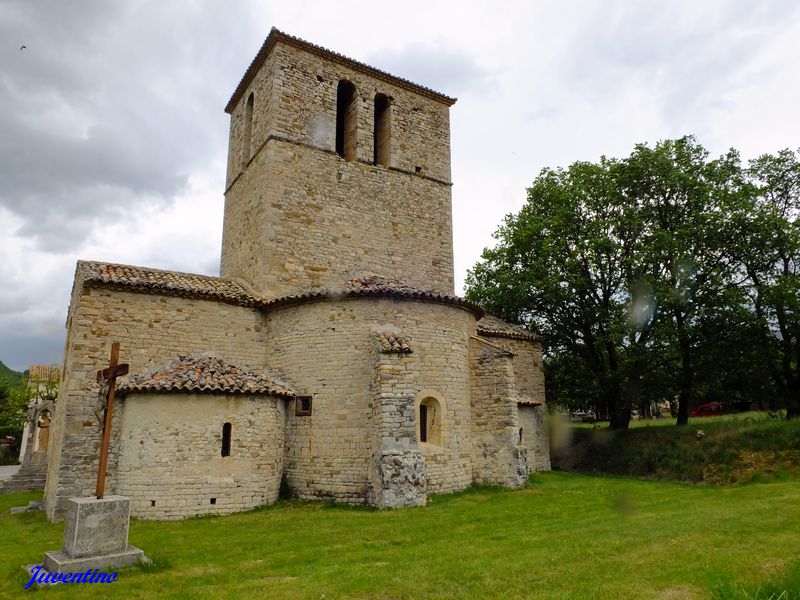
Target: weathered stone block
x: 96, y: 526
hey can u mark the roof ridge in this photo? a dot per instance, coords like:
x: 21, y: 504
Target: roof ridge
x: 276, y: 35
x: 102, y: 263
x: 496, y: 327
x: 177, y: 283
x: 205, y: 374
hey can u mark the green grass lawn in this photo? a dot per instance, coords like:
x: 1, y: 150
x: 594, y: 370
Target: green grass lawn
x: 563, y: 536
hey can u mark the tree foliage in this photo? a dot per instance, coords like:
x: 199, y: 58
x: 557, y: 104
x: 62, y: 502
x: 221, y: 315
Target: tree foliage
x: 662, y: 275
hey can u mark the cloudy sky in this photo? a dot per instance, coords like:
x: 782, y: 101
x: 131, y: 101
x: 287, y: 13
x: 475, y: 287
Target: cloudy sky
x: 113, y: 136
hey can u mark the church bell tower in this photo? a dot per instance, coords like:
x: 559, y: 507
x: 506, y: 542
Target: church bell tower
x: 336, y: 170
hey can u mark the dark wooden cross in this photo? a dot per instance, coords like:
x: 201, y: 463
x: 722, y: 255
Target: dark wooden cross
x: 108, y: 377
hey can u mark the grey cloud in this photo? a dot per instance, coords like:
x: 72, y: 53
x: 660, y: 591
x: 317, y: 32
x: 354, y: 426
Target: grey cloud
x: 443, y: 69
x: 690, y: 64
x: 23, y: 348
x: 109, y: 108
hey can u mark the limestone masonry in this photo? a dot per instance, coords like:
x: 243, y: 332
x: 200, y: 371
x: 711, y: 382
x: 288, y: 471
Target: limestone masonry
x: 331, y: 358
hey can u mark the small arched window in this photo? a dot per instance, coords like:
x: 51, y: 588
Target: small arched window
x: 226, y: 439
x: 248, y: 130
x: 383, y: 130
x: 346, y: 120
x: 430, y: 421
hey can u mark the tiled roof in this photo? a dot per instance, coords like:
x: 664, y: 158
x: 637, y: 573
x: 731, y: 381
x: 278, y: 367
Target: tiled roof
x: 171, y: 283
x: 528, y: 401
x: 376, y: 286
x: 394, y: 342
x: 494, y: 327
x: 204, y: 375
x: 275, y: 35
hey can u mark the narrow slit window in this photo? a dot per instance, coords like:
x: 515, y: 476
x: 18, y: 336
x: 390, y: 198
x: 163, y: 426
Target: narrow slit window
x: 248, y: 130
x: 346, y: 120
x: 383, y: 130
x: 430, y: 422
x: 226, y: 439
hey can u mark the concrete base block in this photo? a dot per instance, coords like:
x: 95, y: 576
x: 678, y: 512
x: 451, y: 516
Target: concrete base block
x: 57, y: 561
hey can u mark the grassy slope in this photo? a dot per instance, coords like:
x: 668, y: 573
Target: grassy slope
x: 9, y: 378
x: 741, y: 448
x: 564, y: 536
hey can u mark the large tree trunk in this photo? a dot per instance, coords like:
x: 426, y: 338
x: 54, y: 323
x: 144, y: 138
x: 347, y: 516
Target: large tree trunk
x: 619, y: 411
x: 620, y: 414
x: 620, y: 420
x: 793, y: 401
x: 687, y: 370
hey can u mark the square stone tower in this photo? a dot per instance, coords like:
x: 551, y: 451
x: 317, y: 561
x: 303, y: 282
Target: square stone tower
x: 335, y: 170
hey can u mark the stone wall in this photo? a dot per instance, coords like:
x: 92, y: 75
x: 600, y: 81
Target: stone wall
x: 295, y: 99
x: 326, y: 349
x: 170, y: 462
x: 152, y: 329
x: 264, y: 108
x: 500, y: 458
x: 398, y: 475
x: 529, y: 377
x: 299, y: 217
x: 535, y: 436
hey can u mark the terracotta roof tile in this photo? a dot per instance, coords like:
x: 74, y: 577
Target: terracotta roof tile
x: 174, y: 283
x: 171, y: 283
x: 491, y: 326
x: 275, y: 36
x: 204, y: 375
x: 376, y: 286
x: 394, y: 342
x: 528, y: 401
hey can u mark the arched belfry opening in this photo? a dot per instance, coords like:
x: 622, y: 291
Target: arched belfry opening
x: 383, y: 130
x: 346, y: 120
x: 248, y: 130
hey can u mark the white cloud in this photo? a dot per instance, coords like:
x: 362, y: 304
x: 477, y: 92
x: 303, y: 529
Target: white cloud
x: 114, y: 136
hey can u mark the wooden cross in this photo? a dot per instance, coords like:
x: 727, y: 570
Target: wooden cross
x: 108, y: 377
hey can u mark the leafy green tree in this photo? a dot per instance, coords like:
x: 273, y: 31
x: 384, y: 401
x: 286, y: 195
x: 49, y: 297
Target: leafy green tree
x: 625, y: 266
x: 565, y: 265
x: 770, y: 257
x: 687, y: 203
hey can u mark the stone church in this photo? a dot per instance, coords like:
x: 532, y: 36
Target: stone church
x: 331, y: 358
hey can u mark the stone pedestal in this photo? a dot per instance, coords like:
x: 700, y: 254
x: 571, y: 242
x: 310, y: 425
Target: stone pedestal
x: 95, y: 536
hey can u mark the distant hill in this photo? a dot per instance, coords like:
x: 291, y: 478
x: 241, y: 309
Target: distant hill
x: 9, y: 378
